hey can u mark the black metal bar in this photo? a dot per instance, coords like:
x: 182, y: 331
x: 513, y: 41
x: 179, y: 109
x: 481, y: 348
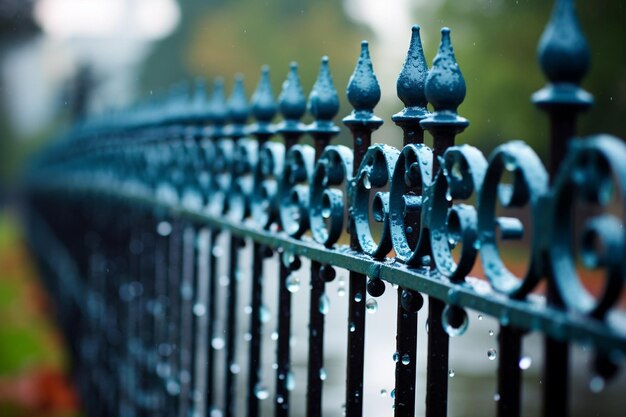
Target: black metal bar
x: 211, y: 317
x: 316, y: 343
x: 509, y: 372
x: 230, y: 388
x: 254, y: 359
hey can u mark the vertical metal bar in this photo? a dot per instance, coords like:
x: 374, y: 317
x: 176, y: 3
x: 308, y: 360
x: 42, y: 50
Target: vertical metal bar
x: 200, y: 329
x: 443, y: 138
x: 410, y: 89
x: 187, y: 286
x: 509, y: 373
x: 361, y: 125
x: 174, y: 272
x: 230, y: 390
x: 212, y: 313
x: 254, y: 359
x: 322, y: 130
x: 565, y: 61
x: 292, y: 105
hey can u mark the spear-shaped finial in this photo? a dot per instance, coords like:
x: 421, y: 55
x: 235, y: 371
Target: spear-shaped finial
x: 323, y: 100
x: 363, y: 89
x: 200, y: 101
x: 263, y: 102
x: 238, y: 109
x: 412, y: 78
x: 563, y: 54
x: 218, y: 112
x: 445, y: 85
x: 292, y: 100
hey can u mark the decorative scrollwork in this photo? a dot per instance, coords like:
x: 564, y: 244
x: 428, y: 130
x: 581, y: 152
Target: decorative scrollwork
x: 294, y: 190
x: 265, y: 194
x: 593, y: 172
x: 530, y: 182
x: 327, y: 208
x: 375, y: 171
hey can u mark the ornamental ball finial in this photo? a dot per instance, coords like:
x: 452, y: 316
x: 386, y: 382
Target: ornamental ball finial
x: 292, y: 100
x: 237, y: 104
x: 263, y: 104
x: 412, y: 79
x: 445, y: 85
x: 363, y: 88
x: 563, y: 51
x: 218, y: 112
x: 323, y: 100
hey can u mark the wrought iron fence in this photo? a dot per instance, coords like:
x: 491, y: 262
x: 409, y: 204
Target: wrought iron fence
x: 125, y: 215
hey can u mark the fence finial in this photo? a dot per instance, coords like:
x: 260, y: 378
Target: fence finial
x: 363, y: 88
x: 238, y: 109
x: 323, y: 100
x: 563, y: 54
x: 200, y: 101
x: 445, y: 85
x: 292, y: 100
x: 412, y: 79
x: 263, y: 103
x: 218, y: 112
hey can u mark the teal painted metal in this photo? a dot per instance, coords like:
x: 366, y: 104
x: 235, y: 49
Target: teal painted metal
x: 194, y: 160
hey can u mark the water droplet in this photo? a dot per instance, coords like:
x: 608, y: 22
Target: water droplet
x: 217, y: 343
x: 341, y: 291
x: 393, y: 393
x: 217, y: 252
x: 274, y: 336
x: 288, y: 258
x: 352, y: 327
x: 326, y: 212
x: 371, y: 306
x: 290, y: 383
x: 323, y: 374
x: 264, y: 314
x: 448, y: 195
x: 247, y: 309
x: 199, y: 309
x: 234, y: 368
x: 261, y: 392
x: 509, y: 163
x: 324, y: 304
x: 455, y: 321
x: 525, y: 362
x: 451, y: 373
x: 406, y: 359
x: 490, y: 332
x: 224, y: 280
x: 383, y: 392
x: 396, y: 356
x: 280, y: 399
x: 480, y: 317
x: 496, y: 397
x: 492, y: 354
x: 596, y: 384
x: 274, y: 366
x: 366, y: 182
x: 172, y: 387
x: 358, y: 297
x: 476, y: 244
x: 292, y: 283
x: 409, y: 230
x: 164, y: 228
x: 247, y: 336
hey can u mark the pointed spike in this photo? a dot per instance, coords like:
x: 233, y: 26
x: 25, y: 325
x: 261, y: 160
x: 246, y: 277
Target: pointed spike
x: 218, y: 107
x: 445, y: 85
x: 263, y: 102
x: 292, y: 99
x: 237, y: 103
x: 200, y: 99
x: 363, y: 89
x: 412, y: 79
x: 323, y: 100
x: 563, y: 51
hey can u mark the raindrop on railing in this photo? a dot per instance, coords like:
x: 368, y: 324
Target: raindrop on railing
x: 274, y: 336
x: 323, y: 374
x: 217, y: 343
x: 292, y: 283
x: 451, y: 373
x: 224, y: 280
x: 290, y: 383
x: 264, y: 314
x: 596, y: 384
x: 261, y: 392
x: 406, y: 359
x: 492, y: 354
x: 371, y: 306
x: 247, y: 309
x: 455, y: 321
x: 234, y: 368
x: 396, y: 356
x: 496, y: 397
x: 358, y: 297
x: 383, y: 392
x: 525, y: 362
x: 490, y: 332
x: 217, y: 252
x: 324, y: 304
x: 199, y: 310
x: 393, y: 393
x: 480, y: 317
x: 164, y: 228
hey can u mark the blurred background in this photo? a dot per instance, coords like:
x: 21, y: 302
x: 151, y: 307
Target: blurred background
x: 62, y: 58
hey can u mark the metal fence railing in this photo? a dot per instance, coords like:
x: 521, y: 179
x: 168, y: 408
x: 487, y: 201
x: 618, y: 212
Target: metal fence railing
x: 126, y: 216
